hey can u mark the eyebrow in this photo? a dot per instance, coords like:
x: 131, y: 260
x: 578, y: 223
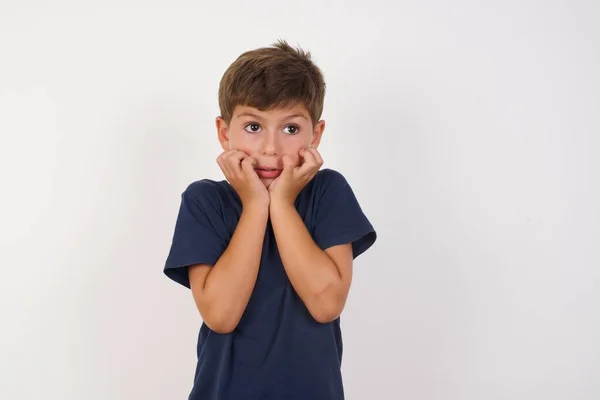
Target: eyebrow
x: 248, y: 115
x: 259, y: 117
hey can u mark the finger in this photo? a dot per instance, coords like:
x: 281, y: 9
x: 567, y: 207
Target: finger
x: 221, y: 163
x: 310, y: 162
x: 247, y: 167
x: 226, y: 165
x: 308, y: 156
x: 317, y: 155
x: 234, y: 163
x: 235, y: 156
x: 288, y: 165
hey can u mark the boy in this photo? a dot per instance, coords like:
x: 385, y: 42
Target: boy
x: 268, y: 252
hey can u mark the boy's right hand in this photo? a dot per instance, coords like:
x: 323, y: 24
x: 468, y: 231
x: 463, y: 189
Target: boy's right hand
x: 238, y: 168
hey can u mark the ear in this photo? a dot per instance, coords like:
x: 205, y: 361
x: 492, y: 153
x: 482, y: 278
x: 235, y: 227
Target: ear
x: 222, y: 133
x: 317, y: 133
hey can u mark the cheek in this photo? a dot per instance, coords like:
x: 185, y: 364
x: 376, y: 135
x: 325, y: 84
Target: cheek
x: 294, y: 144
x: 242, y: 142
x: 293, y: 147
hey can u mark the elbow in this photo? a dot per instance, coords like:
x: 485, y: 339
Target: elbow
x: 217, y: 319
x: 219, y: 323
x: 326, y: 312
x: 327, y: 305
x: 220, y: 328
x: 325, y: 318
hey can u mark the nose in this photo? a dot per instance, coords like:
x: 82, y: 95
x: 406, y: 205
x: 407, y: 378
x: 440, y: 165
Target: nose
x: 270, y: 145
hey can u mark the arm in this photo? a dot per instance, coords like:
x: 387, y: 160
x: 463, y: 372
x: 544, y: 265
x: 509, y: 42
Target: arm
x: 221, y: 292
x: 321, y: 278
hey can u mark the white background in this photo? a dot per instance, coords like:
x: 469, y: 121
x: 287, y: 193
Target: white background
x: 469, y: 130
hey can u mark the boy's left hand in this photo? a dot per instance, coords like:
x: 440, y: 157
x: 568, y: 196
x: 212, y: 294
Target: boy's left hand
x: 293, y: 178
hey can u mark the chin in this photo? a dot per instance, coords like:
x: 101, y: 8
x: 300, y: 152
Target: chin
x: 267, y: 182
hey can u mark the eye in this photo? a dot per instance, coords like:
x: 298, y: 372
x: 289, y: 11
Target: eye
x: 252, y: 127
x: 291, y: 129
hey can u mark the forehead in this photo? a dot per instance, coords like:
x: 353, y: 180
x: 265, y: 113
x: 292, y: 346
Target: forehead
x: 272, y: 113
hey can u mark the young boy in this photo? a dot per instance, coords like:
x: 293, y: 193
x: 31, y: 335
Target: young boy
x: 268, y: 252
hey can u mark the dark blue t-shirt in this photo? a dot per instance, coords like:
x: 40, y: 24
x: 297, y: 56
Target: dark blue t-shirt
x: 277, y: 351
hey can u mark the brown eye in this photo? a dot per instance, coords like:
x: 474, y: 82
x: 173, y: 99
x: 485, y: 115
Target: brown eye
x: 252, y: 127
x: 291, y: 129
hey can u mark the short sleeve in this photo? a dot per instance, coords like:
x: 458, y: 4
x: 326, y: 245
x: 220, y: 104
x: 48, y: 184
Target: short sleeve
x: 339, y: 218
x: 198, y: 236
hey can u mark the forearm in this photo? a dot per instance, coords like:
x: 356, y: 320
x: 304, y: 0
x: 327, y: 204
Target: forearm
x: 313, y: 274
x: 231, y: 280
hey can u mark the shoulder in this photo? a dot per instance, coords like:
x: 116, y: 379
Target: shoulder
x: 327, y: 179
x: 329, y: 183
x: 338, y: 215
x: 204, y: 188
x: 328, y: 187
x: 208, y: 193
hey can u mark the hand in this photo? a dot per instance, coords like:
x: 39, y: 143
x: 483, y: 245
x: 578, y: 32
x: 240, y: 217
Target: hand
x: 238, y: 168
x: 294, y: 178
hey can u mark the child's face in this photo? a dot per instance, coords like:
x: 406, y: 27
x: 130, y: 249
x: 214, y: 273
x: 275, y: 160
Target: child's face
x: 268, y: 135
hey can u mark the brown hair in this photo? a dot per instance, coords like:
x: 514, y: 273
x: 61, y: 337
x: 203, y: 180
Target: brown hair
x: 271, y: 77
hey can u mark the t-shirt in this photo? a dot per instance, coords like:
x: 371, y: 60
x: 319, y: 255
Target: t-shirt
x: 277, y: 351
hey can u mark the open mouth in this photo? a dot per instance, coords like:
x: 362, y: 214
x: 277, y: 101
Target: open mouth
x: 268, y: 172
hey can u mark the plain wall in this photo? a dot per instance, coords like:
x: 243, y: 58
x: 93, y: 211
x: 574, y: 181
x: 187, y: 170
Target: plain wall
x: 470, y: 132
